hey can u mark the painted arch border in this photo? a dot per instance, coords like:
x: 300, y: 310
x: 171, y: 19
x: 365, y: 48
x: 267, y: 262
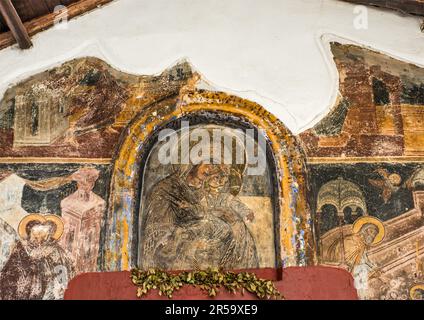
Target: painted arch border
x: 296, y: 240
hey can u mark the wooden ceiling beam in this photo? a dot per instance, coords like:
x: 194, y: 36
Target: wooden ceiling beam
x: 415, y: 7
x: 45, y: 22
x: 15, y: 24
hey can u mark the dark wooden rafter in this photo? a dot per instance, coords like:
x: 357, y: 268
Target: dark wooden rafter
x: 15, y: 24
x: 415, y: 7
x: 31, y: 9
x: 38, y: 15
x: 46, y: 21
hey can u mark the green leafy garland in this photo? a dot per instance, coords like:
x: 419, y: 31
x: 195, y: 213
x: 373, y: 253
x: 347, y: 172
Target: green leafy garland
x: 209, y: 281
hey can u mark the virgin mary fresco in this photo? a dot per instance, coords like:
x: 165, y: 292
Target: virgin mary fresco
x: 194, y: 219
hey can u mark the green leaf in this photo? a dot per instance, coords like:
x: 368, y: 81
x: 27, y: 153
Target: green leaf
x: 208, y: 281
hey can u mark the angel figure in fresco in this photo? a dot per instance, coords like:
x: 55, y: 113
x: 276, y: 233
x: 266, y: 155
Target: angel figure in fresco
x: 389, y: 183
x: 395, y: 192
x: 38, y: 268
x: 85, y: 118
x: 92, y: 99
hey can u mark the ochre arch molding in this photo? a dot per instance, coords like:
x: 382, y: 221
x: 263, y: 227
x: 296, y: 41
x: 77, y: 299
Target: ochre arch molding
x: 296, y: 240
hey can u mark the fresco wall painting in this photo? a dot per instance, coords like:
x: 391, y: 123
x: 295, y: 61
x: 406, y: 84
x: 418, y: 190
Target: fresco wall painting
x: 366, y: 166
x: 290, y: 207
x: 58, y: 132
x: 82, y: 190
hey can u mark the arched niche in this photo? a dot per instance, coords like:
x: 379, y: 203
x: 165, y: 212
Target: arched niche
x: 293, y: 239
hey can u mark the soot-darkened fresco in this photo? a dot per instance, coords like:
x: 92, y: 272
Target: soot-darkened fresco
x: 379, y: 110
x: 78, y: 110
x: 65, y: 164
x: 366, y: 175
x: 82, y: 189
x: 58, y: 132
x: 42, y: 251
x: 205, y: 214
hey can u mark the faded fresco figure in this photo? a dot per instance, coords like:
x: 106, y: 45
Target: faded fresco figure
x: 192, y: 223
x: 33, y: 263
x: 193, y: 219
x: 351, y: 249
x: 8, y: 239
x: 38, y: 268
x: 230, y: 209
x: 362, y: 273
x: 350, y: 252
x: 179, y: 233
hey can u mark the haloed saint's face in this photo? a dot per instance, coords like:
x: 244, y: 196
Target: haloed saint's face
x: 40, y: 234
x: 368, y: 233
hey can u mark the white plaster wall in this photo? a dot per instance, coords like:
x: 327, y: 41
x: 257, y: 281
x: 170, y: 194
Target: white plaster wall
x: 273, y: 52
